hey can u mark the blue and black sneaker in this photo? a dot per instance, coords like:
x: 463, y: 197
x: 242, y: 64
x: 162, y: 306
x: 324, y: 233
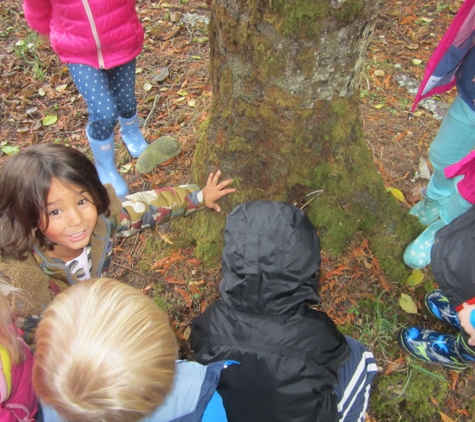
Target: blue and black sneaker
x: 432, y: 347
x: 440, y: 307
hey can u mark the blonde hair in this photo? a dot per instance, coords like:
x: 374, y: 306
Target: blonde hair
x: 104, y: 352
x: 8, y: 337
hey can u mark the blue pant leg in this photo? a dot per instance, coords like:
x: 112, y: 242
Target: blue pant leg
x: 215, y: 410
x: 122, y: 83
x: 93, y: 85
x: 354, y: 383
x: 454, y: 140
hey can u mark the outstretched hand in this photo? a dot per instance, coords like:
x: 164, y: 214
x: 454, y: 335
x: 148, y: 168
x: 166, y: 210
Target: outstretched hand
x: 464, y: 317
x: 214, y: 190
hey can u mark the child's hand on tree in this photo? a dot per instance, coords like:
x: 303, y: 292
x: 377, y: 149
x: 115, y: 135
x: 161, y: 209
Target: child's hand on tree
x: 464, y: 317
x: 214, y: 190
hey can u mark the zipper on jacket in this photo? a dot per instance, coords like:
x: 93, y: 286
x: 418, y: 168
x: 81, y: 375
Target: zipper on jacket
x: 100, y: 57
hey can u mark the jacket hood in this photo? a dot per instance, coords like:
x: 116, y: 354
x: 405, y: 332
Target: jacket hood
x: 270, y: 258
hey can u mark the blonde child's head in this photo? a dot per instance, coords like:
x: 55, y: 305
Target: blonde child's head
x: 25, y: 182
x: 104, y: 352
x: 8, y: 335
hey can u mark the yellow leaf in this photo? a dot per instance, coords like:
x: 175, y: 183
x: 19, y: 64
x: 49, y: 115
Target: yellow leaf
x: 416, y: 278
x: 397, y: 194
x: 445, y: 418
x: 378, y: 106
x: 407, y: 304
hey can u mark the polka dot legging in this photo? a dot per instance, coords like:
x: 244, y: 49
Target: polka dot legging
x: 108, y: 93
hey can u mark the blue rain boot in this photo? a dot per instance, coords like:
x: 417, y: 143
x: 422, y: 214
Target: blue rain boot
x: 417, y: 254
x: 132, y: 136
x: 428, y: 210
x: 448, y: 350
x: 455, y: 208
x: 103, y: 152
x: 439, y: 306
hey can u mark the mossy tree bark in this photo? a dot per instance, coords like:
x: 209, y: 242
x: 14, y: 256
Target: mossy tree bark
x: 284, y: 120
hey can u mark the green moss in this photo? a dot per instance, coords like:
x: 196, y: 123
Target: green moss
x: 306, y: 62
x: 348, y: 11
x: 408, y: 395
x: 239, y: 144
x: 299, y: 18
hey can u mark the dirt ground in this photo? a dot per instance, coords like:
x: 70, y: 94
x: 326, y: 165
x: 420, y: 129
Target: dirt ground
x: 173, y: 92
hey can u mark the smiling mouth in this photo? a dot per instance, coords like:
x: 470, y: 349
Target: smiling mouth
x: 78, y: 236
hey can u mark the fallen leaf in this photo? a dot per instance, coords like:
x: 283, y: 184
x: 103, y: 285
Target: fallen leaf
x: 407, y: 304
x: 445, y: 418
x: 187, y: 333
x: 10, y: 150
x: 186, y: 297
x: 416, y: 278
x: 173, y: 280
x: 147, y: 86
x: 147, y: 288
x: 50, y: 120
x: 195, y: 290
x: 417, y: 62
x: 379, y: 72
x: 397, y: 194
x: 61, y: 88
x: 193, y: 261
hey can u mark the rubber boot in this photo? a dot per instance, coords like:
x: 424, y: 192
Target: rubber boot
x: 448, y: 350
x: 417, y: 254
x: 103, y: 152
x: 439, y: 306
x: 428, y: 210
x: 132, y: 136
x: 455, y: 208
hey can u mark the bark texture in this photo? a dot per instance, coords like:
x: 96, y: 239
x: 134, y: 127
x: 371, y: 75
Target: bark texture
x: 284, y: 120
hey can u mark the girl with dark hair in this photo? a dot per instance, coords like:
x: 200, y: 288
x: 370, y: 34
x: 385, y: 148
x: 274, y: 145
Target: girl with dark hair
x: 57, y: 219
x: 99, y: 42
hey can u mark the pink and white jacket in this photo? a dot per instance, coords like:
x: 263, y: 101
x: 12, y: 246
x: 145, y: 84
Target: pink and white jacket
x: 99, y: 33
x: 18, y: 401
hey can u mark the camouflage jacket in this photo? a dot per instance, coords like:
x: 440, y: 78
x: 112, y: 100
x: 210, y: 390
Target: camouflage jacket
x: 41, y: 277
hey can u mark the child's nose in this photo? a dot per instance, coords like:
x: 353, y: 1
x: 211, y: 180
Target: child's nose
x: 75, y: 217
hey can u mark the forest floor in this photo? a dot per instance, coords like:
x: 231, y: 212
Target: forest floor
x: 39, y: 103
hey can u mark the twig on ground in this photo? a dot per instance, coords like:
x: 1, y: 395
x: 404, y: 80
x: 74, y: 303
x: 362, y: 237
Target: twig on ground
x: 155, y: 101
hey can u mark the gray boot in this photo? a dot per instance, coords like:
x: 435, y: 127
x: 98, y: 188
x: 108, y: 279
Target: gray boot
x: 132, y: 136
x: 103, y: 152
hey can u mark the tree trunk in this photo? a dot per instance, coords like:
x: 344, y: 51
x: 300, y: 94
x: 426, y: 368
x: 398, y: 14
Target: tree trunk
x: 284, y: 120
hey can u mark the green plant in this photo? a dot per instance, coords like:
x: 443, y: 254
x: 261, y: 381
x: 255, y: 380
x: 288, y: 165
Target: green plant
x: 26, y: 49
x: 441, y: 6
x: 378, y: 323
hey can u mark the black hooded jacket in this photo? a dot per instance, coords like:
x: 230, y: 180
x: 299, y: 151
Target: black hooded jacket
x: 453, y: 259
x: 289, y: 354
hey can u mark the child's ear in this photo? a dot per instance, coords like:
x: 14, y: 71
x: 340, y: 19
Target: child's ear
x: 115, y: 202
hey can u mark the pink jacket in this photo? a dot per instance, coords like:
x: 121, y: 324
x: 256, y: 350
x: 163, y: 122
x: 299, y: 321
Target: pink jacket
x: 465, y: 168
x: 99, y: 33
x: 21, y: 405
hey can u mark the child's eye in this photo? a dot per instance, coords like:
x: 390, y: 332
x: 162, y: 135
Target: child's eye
x: 82, y: 202
x: 54, y: 212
